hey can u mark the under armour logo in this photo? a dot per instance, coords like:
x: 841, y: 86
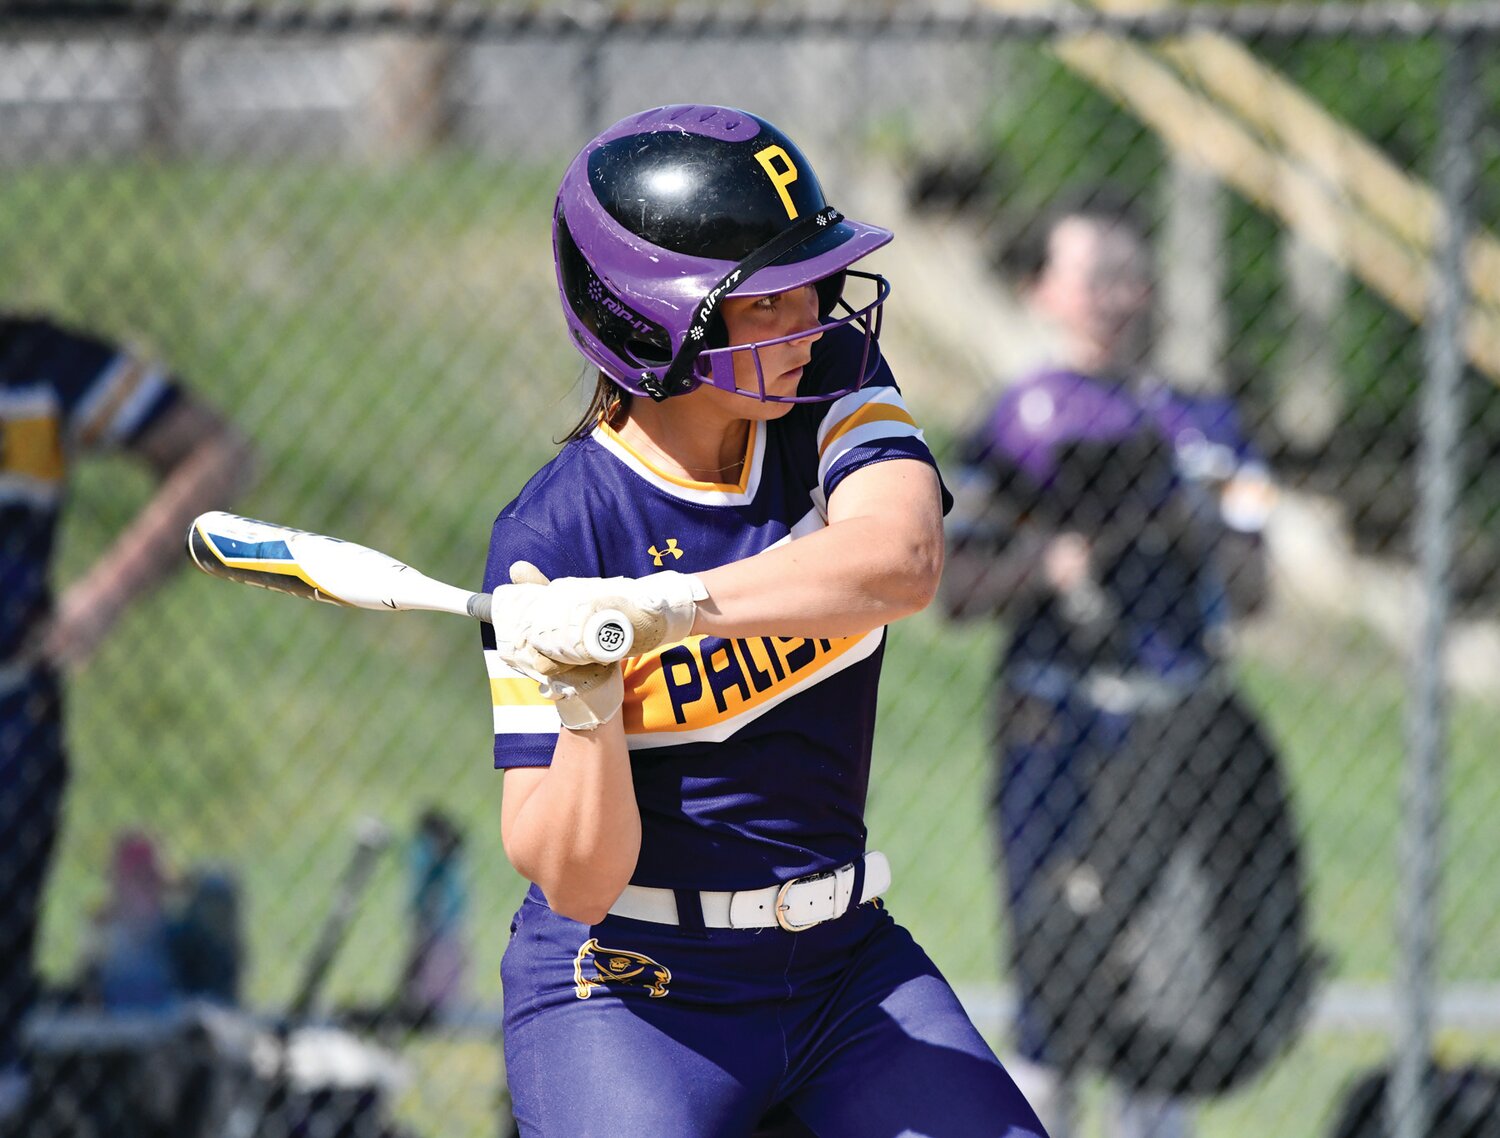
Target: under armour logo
x: 658, y: 554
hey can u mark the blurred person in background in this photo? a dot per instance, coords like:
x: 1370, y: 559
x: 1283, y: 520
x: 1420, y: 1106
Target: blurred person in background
x: 127, y: 965
x: 434, y: 980
x: 159, y: 937
x: 64, y: 395
x: 205, y: 934
x: 1113, y: 524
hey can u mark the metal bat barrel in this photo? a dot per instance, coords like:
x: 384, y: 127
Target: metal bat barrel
x: 322, y: 568
x: 271, y: 575
x: 314, y: 566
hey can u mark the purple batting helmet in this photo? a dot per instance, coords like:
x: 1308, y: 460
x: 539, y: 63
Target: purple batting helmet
x: 669, y: 211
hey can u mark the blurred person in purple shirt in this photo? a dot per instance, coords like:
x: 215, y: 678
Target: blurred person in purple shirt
x: 1113, y: 522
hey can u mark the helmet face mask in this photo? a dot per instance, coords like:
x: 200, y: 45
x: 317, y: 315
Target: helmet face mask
x: 715, y: 366
x: 669, y: 211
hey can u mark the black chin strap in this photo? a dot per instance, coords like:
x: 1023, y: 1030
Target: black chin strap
x: 678, y: 374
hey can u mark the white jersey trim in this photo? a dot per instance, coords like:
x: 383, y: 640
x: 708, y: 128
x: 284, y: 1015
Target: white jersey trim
x: 840, y: 409
x: 116, y: 402
x: 703, y: 493
x: 860, y: 436
x: 512, y: 719
x: 34, y: 401
x: 34, y: 493
x: 859, y: 418
x: 810, y: 522
x: 537, y: 716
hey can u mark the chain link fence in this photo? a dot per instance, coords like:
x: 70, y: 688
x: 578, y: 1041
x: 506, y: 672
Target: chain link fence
x: 333, y: 225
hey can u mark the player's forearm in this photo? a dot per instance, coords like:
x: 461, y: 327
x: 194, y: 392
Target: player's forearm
x: 150, y: 548
x: 845, y: 580
x: 206, y: 475
x: 880, y: 558
x: 577, y: 835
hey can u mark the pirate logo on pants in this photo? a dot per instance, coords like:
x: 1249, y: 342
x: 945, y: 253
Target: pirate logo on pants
x: 617, y: 966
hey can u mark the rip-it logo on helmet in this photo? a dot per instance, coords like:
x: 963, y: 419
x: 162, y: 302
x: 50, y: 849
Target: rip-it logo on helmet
x: 614, y: 306
x: 669, y: 211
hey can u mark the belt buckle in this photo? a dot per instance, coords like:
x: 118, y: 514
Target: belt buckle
x: 782, y: 906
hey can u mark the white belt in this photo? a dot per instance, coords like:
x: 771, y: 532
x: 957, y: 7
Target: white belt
x: 794, y: 905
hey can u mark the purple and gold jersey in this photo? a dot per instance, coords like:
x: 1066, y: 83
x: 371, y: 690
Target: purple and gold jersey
x: 1038, y: 416
x: 1057, y: 437
x: 61, y: 394
x: 750, y: 756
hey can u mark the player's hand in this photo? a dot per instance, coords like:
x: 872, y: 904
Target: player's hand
x: 82, y: 619
x: 544, y: 622
x: 587, y: 696
x: 1067, y: 562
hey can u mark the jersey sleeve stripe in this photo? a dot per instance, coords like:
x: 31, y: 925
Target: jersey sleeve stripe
x: 841, y: 410
x: 510, y: 720
x: 123, y: 392
x: 519, y: 708
x: 507, y: 685
x: 870, y: 413
x: 861, y: 436
x: 30, y: 449
x: 520, y: 690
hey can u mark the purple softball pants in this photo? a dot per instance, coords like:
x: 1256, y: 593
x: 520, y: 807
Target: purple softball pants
x: 629, y: 1029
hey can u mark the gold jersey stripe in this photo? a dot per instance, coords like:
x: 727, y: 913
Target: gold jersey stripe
x: 32, y: 448
x: 511, y: 691
x: 869, y: 413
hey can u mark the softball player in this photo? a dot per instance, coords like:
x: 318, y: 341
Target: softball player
x: 64, y: 395
x: 1115, y: 522
x: 703, y: 945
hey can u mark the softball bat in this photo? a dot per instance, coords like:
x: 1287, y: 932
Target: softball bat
x: 322, y: 568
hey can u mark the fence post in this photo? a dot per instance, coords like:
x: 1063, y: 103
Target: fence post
x: 163, y: 93
x: 411, y: 104
x: 1193, y: 331
x: 1410, y: 1104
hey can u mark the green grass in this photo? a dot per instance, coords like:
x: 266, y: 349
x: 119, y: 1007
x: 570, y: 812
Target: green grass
x: 390, y: 339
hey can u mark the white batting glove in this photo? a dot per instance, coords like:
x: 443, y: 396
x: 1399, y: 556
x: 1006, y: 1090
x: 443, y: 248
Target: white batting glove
x: 510, y: 619
x: 544, y: 622
x: 587, y: 696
